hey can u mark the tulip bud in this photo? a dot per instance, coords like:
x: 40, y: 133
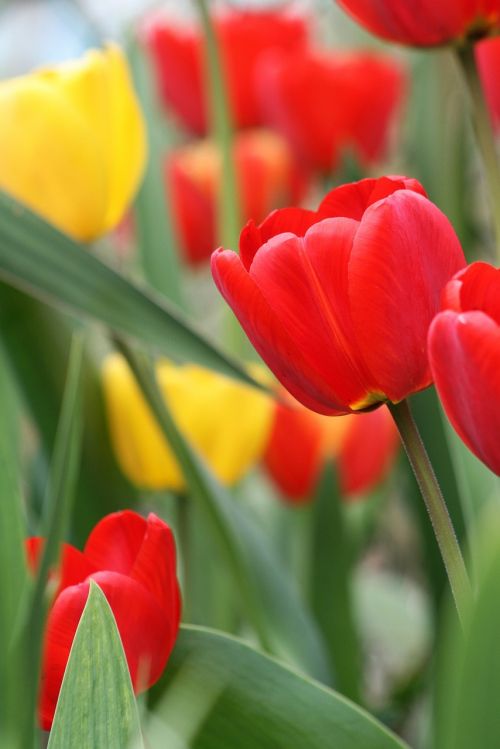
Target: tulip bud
x: 72, y: 142
x: 227, y: 422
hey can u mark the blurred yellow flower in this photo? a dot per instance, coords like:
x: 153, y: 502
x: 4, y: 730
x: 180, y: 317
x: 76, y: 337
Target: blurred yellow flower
x: 227, y: 422
x: 72, y: 142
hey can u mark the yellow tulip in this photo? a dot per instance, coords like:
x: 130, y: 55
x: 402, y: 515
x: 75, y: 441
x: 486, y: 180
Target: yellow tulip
x: 227, y: 422
x: 72, y: 142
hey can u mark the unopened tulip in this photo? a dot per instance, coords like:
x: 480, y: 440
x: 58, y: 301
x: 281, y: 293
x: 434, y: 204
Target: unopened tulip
x: 227, y: 422
x: 244, y: 36
x: 362, y: 446
x: 133, y: 562
x: 425, y: 23
x: 72, y: 142
x: 266, y: 174
x: 464, y: 351
x: 338, y: 301
x: 328, y: 104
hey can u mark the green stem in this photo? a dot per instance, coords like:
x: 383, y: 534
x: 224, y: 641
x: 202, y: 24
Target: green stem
x: 436, y: 506
x: 484, y: 133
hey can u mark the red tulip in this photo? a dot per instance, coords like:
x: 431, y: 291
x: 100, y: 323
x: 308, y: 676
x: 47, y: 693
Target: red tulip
x: 133, y: 562
x: 329, y: 103
x: 464, y: 352
x: 261, y: 158
x: 424, y: 23
x: 488, y: 61
x: 338, y: 301
x: 301, y: 441
x: 179, y: 56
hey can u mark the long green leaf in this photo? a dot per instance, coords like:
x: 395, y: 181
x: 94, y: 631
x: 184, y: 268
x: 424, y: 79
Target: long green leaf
x: 13, y: 573
x: 272, y: 602
x: 57, y: 509
x: 222, y: 693
x: 96, y: 708
x: 36, y: 257
x: 331, y: 580
x: 468, y: 686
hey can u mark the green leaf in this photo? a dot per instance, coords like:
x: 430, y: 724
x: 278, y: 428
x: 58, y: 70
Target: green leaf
x: 222, y: 693
x: 36, y: 257
x: 273, y: 605
x: 468, y: 684
x: 57, y: 509
x: 331, y: 580
x: 96, y: 708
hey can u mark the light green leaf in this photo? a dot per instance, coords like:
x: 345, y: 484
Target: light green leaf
x: 272, y: 602
x: 37, y: 258
x: 96, y: 708
x: 222, y: 693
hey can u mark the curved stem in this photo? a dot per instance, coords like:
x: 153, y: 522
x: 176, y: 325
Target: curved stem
x: 434, y: 501
x: 484, y: 133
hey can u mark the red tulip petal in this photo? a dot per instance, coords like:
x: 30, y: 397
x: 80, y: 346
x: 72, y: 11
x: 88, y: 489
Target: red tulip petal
x: 115, y: 541
x: 480, y: 290
x: 268, y: 335
x: 147, y: 635
x: 353, y: 199
x: 367, y: 451
x: 73, y: 567
x: 297, y: 277
x: 404, y: 253
x: 294, y: 220
x: 464, y: 352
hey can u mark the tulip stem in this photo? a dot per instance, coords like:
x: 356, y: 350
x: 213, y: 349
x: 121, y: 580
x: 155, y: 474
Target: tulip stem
x: 484, y: 133
x: 436, y: 506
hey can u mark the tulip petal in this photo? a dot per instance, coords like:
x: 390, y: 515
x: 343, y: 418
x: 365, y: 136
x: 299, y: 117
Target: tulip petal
x: 115, y: 541
x: 464, y: 351
x: 479, y: 290
x: 294, y: 220
x: 352, y: 200
x: 73, y: 567
x: 147, y: 635
x: 404, y: 253
x: 270, y: 338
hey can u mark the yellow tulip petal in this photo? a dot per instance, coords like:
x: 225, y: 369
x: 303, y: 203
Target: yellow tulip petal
x: 49, y: 158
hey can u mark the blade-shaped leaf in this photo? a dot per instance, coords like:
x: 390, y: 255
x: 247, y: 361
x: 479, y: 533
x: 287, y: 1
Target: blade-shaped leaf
x: 273, y: 605
x: 96, y: 706
x: 222, y: 693
x: 37, y: 258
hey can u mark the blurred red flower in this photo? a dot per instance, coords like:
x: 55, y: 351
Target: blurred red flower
x: 266, y: 174
x: 424, y: 23
x: 464, y: 352
x: 488, y: 61
x: 363, y: 447
x: 338, y: 301
x: 133, y: 562
x: 178, y: 53
x: 327, y: 104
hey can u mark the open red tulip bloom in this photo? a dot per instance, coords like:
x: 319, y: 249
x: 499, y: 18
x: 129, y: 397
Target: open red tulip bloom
x: 363, y: 447
x: 243, y: 36
x: 424, y: 23
x: 338, y: 301
x: 133, y: 562
x: 464, y: 351
x: 327, y: 104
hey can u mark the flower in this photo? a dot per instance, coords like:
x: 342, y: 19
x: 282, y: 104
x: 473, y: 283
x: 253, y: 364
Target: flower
x: 133, y: 562
x: 329, y: 103
x: 226, y: 421
x: 363, y: 447
x: 178, y: 53
x: 338, y: 301
x: 464, y: 352
x: 425, y: 23
x: 72, y: 142
x: 488, y: 62
x: 194, y: 174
